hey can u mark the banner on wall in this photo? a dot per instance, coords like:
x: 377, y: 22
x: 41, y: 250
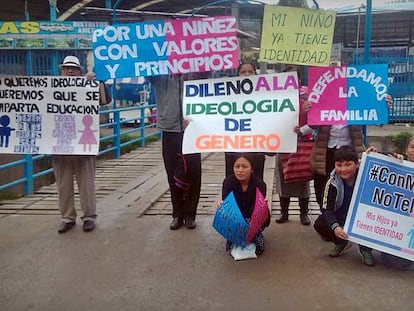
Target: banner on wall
x: 47, y: 34
x: 165, y: 47
x: 241, y: 114
x: 348, y: 95
x: 381, y: 213
x: 297, y: 36
x: 49, y: 115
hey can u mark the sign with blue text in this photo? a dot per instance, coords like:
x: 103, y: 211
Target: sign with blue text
x: 242, y: 114
x: 49, y: 115
x: 229, y: 222
x: 381, y: 213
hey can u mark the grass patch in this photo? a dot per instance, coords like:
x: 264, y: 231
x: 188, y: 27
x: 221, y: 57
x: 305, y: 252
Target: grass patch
x: 400, y: 140
x: 7, y: 195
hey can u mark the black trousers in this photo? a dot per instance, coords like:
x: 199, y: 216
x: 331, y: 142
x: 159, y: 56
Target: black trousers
x: 322, y: 227
x: 184, y: 202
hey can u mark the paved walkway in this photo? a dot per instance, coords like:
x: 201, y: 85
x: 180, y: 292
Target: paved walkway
x: 132, y: 261
x: 137, y: 181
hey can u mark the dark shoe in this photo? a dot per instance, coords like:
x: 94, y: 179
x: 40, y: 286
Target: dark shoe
x: 190, y: 223
x: 339, y: 249
x: 304, y: 219
x: 65, y: 226
x: 176, y: 223
x: 88, y: 225
x: 367, y: 257
x: 283, y: 218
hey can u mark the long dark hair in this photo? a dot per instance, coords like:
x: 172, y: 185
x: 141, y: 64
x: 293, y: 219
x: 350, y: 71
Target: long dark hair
x: 246, y: 63
x: 247, y: 156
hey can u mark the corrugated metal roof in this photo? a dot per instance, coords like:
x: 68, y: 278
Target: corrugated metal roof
x: 128, y: 9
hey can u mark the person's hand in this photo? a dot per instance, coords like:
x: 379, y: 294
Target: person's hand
x: 219, y: 203
x: 388, y: 99
x: 371, y: 149
x: 186, y: 122
x: 296, y: 129
x: 398, y: 156
x: 90, y: 75
x: 307, y: 105
x: 340, y: 233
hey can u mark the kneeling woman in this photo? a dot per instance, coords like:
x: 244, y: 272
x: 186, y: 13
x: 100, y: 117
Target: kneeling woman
x: 243, y: 183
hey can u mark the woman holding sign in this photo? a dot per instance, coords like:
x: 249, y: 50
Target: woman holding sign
x: 244, y: 186
x: 293, y: 171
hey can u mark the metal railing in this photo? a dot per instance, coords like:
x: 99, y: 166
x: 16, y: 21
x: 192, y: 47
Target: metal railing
x: 401, y: 85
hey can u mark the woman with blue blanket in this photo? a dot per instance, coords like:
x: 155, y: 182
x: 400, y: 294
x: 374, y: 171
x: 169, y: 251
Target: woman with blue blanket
x: 243, y: 183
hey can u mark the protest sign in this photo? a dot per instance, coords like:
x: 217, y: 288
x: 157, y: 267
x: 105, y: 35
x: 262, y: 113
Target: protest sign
x: 348, y: 95
x: 381, y: 213
x: 259, y: 216
x: 165, y: 47
x: 297, y: 36
x: 241, y: 114
x: 49, y: 115
x: 229, y: 222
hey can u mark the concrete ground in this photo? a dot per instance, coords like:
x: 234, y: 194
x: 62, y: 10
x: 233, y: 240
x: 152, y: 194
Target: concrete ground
x: 389, y: 129
x: 138, y: 263
x: 131, y: 263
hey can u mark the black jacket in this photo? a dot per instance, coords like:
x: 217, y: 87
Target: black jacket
x: 245, y: 200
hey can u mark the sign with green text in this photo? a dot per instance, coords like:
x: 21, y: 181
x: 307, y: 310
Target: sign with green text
x: 242, y: 114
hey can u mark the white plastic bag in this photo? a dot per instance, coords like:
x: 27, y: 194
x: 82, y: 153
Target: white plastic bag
x: 241, y: 253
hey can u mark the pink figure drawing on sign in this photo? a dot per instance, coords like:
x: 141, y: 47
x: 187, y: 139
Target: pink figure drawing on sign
x: 88, y: 136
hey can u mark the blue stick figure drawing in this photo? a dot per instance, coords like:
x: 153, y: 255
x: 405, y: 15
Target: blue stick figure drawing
x: 5, y: 131
x: 411, y: 234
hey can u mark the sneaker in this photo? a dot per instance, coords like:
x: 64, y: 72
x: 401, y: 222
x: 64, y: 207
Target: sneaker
x: 367, y: 257
x: 339, y: 249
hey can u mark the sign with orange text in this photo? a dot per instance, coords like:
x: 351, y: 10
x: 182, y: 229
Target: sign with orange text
x: 381, y: 213
x: 241, y: 114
